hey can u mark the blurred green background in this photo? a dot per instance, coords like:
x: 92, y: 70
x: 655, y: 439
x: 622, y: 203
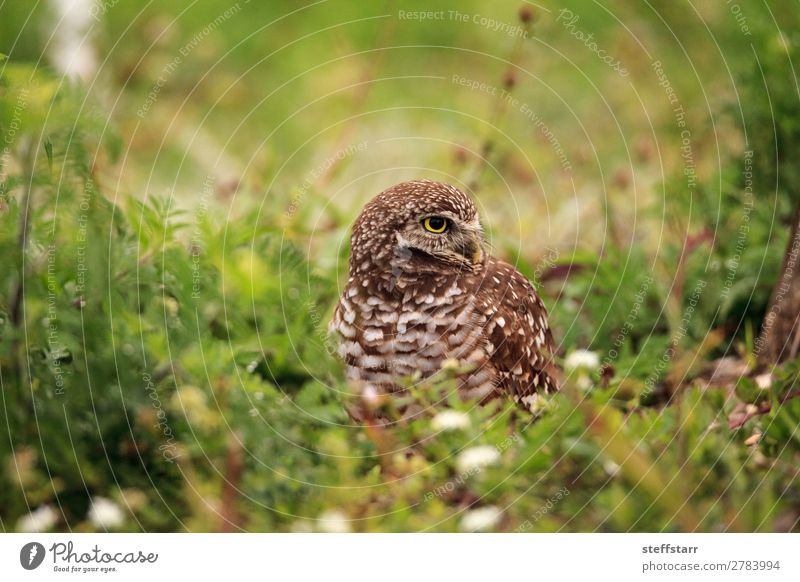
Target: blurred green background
x: 178, y: 183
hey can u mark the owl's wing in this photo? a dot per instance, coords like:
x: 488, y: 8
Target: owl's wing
x: 521, y: 345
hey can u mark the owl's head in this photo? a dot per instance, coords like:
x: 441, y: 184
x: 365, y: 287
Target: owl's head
x: 418, y: 226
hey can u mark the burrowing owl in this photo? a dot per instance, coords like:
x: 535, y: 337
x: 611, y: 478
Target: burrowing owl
x: 422, y: 291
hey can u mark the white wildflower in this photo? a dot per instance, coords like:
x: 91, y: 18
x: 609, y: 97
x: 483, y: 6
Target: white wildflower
x: 582, y: 359
x: 481, y: 519
x: 39, y: 520
x: 371, y: 395
x: 476, y: 458
x: 536, y: 403
x: 72, y: 52
x: 105, y: 514
x: 764, y: 381
x: 583, y: 382
x: 334, y: 521
x: 450, y: 420
x: 611, y: 468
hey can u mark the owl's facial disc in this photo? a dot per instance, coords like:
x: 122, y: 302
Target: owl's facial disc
x: 443, y: 239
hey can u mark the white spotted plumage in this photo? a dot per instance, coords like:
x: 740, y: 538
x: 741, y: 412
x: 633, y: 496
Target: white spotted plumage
x: 414, y: 301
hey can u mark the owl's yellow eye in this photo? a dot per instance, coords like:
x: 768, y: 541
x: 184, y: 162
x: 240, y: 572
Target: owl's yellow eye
x: 436, y: 224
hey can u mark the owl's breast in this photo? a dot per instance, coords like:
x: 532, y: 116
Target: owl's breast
x: 413, y: 331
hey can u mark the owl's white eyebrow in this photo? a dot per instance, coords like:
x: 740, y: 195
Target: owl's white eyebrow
x: 444, y: 214
x: 476, y: 223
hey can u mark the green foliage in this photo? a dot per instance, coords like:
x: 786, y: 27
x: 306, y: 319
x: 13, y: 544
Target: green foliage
x: 173, y: 356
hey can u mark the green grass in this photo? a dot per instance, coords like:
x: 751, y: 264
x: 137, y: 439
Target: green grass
x: 166, y: 279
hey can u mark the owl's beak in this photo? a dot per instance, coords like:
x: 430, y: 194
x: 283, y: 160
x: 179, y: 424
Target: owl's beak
x: 477, y: 256
x: 473, y: 248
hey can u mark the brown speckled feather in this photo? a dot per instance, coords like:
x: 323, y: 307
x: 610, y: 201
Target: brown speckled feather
x: 415, y: 299
x: 518, y: 332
